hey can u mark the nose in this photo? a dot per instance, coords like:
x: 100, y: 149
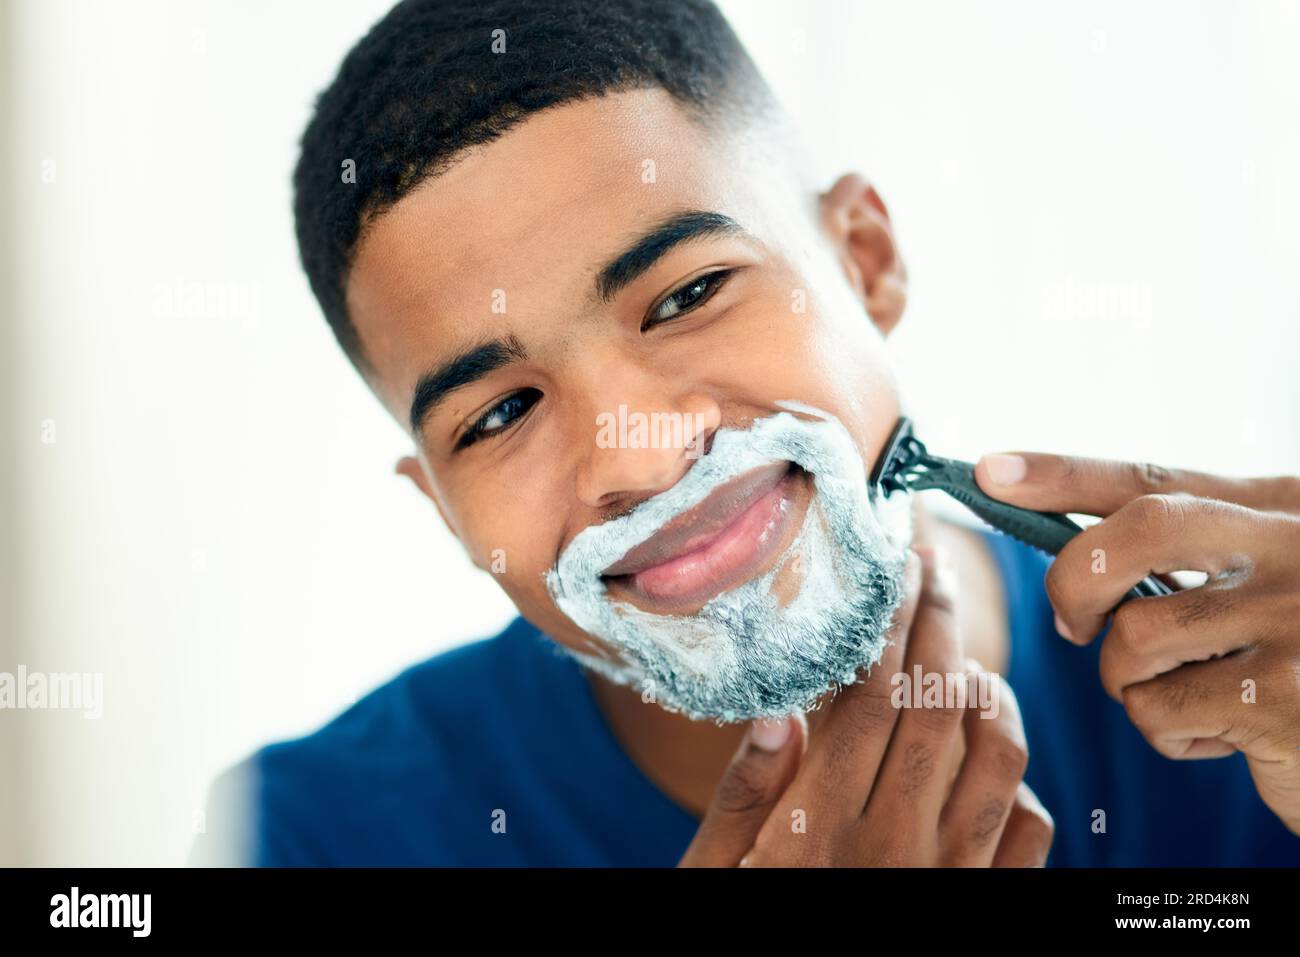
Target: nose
x: 644, y: 436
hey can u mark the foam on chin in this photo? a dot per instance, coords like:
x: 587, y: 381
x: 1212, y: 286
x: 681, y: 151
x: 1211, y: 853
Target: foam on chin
x: 744, y: 656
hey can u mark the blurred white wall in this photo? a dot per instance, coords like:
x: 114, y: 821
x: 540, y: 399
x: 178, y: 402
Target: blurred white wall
x: 1096, y: 203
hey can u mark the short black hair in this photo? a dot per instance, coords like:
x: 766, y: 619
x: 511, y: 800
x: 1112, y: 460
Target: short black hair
x: 430, y: 80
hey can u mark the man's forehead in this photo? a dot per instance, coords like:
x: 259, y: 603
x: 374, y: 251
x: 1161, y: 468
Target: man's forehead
x: 533, y: 213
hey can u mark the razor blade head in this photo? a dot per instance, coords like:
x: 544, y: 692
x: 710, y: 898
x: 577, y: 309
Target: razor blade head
x: 901, y: 449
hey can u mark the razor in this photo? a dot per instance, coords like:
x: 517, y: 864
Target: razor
x: 905, y: 463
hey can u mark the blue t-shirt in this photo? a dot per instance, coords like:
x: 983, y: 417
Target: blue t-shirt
x: 495, y: 753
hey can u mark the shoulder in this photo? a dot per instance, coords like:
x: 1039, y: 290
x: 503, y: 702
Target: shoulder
x: 359, y: 774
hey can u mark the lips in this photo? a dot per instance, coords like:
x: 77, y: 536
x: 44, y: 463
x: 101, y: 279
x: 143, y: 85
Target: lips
x: 726, y: 539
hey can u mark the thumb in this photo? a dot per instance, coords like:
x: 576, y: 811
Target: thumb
x: 758, y: 775
x: 1065, y: 483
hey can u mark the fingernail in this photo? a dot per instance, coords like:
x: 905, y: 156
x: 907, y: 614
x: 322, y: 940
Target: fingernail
x: 770, y: 735
x: 1062, y: 629
x: 1005, y: 469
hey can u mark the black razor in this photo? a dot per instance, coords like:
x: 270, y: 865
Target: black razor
x: 905, y: 464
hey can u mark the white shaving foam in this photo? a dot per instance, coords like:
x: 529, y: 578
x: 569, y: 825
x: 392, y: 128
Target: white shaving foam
x: 744, y: 655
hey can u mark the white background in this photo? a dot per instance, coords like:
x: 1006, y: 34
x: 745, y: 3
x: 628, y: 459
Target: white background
x: 1098, y: 204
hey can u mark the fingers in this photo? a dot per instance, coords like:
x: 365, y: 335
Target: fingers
x: 909, y: 792
x: 751, y: 786
x: 1027, y: 838
x: 1154, y: 533
x: 1064, y: 483
x: 844, y: 755
x: 1177, y: 710
x: 891, y: 776
x: 1209, y: 709
x: 977, y: 813
x: 1152, y: 636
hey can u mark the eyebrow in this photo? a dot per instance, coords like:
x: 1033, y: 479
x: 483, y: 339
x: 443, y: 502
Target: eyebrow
x: 652, y: 246
x: 458, y: 372
x: 625, y: 268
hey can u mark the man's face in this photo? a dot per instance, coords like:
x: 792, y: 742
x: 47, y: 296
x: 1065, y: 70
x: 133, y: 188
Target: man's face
x: 499, y: 299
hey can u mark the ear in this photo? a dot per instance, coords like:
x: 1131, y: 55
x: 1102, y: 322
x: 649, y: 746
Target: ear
x: 855, y: 219
x: 413, y: 469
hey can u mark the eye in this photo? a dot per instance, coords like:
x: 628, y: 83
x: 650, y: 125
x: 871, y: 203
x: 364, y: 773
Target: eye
x: 498, y: 418
x: 690, y: 296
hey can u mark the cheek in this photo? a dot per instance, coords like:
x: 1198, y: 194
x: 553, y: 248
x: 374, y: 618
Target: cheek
x: 512, y: 537
x: 505, y: 532
x: 511, y: 529
x: 830, y: 356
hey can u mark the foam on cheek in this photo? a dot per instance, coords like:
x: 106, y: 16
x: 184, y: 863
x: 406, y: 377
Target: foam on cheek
x: 848, y: 561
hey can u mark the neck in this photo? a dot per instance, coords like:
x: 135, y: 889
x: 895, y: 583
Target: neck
x: 685, y: 758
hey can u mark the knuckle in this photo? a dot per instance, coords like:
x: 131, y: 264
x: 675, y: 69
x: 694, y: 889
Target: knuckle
x: 1150, y: 478
x: 1159, y: 518
x: 918, y: 768
x: 1251, y: 731
x: 864, y: 716
x: 865, y: 707
x: 742, y: 789
x: 987, y: 822
x: 1179, y: 695
x: 1137, y: 702
x: 1004, y: 699
x: 1008, y: 758
x: 1069, y: 470
x: 1127, y: 626
x: 1172, y: 694
x: 1203, y: 604
x: 938, y: 722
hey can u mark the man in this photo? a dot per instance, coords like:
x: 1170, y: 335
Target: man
x: 530, y: 223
